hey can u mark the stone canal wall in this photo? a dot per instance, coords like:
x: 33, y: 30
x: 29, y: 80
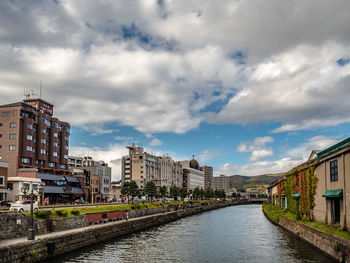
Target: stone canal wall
x: 332, y: 246
x: 52, y: 244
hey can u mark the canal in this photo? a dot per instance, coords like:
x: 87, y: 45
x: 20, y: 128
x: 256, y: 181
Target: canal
x: 232, y: 234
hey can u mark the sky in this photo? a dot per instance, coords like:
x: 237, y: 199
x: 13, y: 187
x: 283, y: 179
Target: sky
x: 248, y: 87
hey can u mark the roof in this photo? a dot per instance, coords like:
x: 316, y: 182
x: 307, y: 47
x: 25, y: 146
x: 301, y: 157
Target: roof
x: 335, y: 148
x: 336, y: 193
x: 55, y: 177
x: 48, y: 189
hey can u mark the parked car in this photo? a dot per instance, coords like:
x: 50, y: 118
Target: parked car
x: 80, y: 201
x: 24, y: 205
x: 5, y: 203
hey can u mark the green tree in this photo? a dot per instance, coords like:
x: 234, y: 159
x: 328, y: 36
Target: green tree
x: 163, y: 191
x: 183, y: 193
x: 126, y: 189
x: 129, y: 189
x: 196, y: 193
x: 201, y: 193
x: 207, y: 193
x: 133, y: 189
x: 150, y: 190
x: 234, y: 195
x: 174, y: 192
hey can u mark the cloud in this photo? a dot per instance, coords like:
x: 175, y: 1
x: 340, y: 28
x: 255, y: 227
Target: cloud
x: 123, y: 138
x: 294, y: 157
x: 155, y: 142
x: 257, y: 148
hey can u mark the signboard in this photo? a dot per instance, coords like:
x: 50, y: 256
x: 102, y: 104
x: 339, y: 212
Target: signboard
x: 41, y: 105
x: 87, y: 177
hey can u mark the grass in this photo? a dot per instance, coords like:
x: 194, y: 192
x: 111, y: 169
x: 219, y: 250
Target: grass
x: 275, y: 213
x: 69, y: 212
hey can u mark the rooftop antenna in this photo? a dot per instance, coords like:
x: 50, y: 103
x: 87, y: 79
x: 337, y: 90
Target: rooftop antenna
x: 29, y: 94
x: 41, y: 87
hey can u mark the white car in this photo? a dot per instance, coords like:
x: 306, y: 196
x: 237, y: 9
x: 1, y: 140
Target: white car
x: 24, y: 205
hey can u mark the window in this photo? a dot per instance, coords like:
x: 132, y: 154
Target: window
x: 54, y: 154
x: 55, y: 134
x: 29, y: 148
x: 52, y: 165
x: 0, y: 146
x: 55, y: 144
x: 66, y: 147
x: 0, y: 124
x: 334, y: 170
x: 25, y: 160
x: 63, y: 166
x: 29, y: 137
x: 12, y: 147
x: 15, y: 113
x: 0, y: 135
x: 66, y: 138
x: 12, y: 136
x: 2, y: 181
x: 65, y: 156
x: 42, y: 151
x: 43, y: 141
x: 12, y: 125
x: 30, y: 126
x: 5, y: 114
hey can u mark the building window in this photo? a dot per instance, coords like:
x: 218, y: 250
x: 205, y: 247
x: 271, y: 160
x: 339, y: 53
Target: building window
x: 55, y: 144
x: 63, y: 166
x: 29, y: 148
x: 2, y: 181
x: 54, y: 154
x: 15, y: 113
x: 43, y: 141
x: 12, y: 147
x: 66, y: 147
x: 5, y: 114
x: 0, y: 146
x: 43, y: 131
x: 65, y: 156
x: 66, y: 138
x: 25, y: 160
x: 30, y: 126
x: 52, y: 165
x: 29, y: 137
x: 0, y: 124
x: 12, y: 136
x: 334, y: 170
x: 0, y: 135
x: 12, y: 125
x: 42, y: 151
x: 55, y: 134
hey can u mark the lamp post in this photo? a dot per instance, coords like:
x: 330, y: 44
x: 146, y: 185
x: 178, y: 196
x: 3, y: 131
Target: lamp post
x: 32, y: 194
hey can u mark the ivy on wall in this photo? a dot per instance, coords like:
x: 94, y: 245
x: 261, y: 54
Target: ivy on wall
x: 301, y: 180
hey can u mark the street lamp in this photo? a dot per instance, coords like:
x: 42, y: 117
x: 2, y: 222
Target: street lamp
x: 38, y: 190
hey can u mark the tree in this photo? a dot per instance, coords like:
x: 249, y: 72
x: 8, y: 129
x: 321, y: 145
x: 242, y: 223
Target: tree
x: 207, y: 193
x: 129, y: 189
x: 196, y: 193
x: 234, y: 195
x: 174, y: 192
x: 150, y: 190
x: 201, y: 193
x: 217, y: 193
x: 183, y: 193
x: 163, y: 191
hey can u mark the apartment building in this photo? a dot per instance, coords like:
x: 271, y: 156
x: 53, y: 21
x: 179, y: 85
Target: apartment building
x: 30, y: 137
x: 208, y: 176
x: 142, y: 167
x: 221, y: 183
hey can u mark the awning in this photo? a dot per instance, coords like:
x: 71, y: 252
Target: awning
x: 336, y: 193
x: 296, y: 195
x: 48, y: 189
x: 55, y: 177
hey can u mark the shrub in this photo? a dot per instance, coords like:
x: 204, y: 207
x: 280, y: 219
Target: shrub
x: 62, y: 213
x: 42, y: 214
x: 75, y: 212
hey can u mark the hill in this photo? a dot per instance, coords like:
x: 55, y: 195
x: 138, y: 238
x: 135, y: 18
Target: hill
x: 239, y: 181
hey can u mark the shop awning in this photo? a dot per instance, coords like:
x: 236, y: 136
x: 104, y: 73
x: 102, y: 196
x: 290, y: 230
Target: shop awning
x: 336, y: 193
x: 61, y: 190
x: 296, y: 195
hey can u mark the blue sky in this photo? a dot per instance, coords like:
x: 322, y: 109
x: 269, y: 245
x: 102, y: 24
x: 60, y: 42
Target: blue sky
x: 249, y: 87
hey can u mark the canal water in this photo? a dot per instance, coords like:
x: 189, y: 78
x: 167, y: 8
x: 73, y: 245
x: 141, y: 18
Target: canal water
x: 232, y: 234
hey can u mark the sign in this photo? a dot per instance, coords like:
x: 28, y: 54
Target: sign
x: 41, y: 105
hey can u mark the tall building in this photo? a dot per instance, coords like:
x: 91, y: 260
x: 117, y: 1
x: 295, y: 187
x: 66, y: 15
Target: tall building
x: 142, y: 167
x: 221, y: 183
x: 98, y: 173
x: 192, y: 176
x: 30, y: 137
x: 208, y: 176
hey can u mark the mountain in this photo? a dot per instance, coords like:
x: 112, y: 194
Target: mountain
x: 239, y: 181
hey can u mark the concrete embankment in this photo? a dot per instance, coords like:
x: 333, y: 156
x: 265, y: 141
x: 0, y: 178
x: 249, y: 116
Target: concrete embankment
x: 336, y: 248
x: 56, y: 243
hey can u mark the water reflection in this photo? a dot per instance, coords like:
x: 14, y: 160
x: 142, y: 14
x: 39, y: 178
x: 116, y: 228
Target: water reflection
x: 233, y: 234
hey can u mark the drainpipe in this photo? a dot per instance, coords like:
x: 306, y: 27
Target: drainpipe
x: 325, y: 184
x: 344, y: 193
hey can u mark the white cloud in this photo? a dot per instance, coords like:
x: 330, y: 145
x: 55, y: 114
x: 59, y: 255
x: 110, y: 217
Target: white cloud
x: 294, y: 157
x: 123, y: 138
x: 257, y: 148
x: 155, y: 142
